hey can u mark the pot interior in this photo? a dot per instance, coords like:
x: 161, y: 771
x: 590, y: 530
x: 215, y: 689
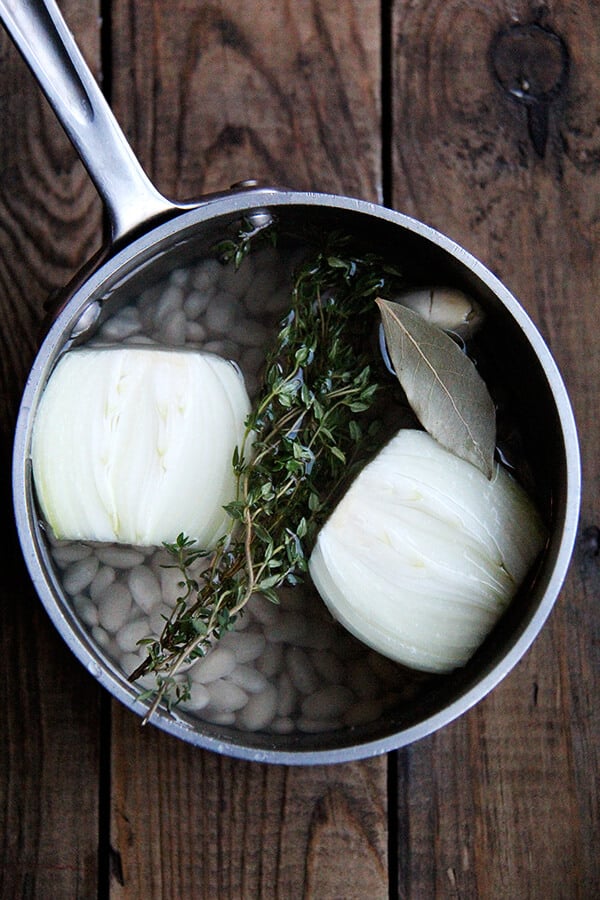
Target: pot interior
x: 128, y: 292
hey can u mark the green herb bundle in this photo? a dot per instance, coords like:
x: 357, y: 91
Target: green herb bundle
x: 307, y: 433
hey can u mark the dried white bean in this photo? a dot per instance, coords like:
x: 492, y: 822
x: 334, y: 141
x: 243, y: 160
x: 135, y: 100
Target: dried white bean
x: 263, y: 610
x: 271, y: 660
x: 249, y: 679
x: 220, y: 313
x: 114, y: 604
x: 302, y: 671
x: 363, y: 712
x: 196, y: 303
x: 207, y: 274
x: 103, y: 578
x: 317, y: 635
x: 290, y: 627
x: 287, y: 695
x: 218, y: 663
x: 283, y: 725
x: 328, y: 703
x: 171, y: 584
x: 144, y: 587
x: 328, y: 666
x: 259, y: 711
x: 159, y: 616
x: 85, y: 609
x: 171, y: 300
x: 173, y: 331
x: 218, y: 716
x: 195, y: 332
x: 80, y: 575
x: 225, y: 696
x: 362, y: 679
x: 198, y: 699
x: 179, y: 277
x: 65, y: 554
x: 132, y: 632
x: 101, y: 637
x: 247, y: 645
x: 249, y: 333
x: 122, y: 325
x: 120, y: 557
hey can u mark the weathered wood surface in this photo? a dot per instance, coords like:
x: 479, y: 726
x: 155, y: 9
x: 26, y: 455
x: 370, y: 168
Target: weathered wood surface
x: 504, y: 802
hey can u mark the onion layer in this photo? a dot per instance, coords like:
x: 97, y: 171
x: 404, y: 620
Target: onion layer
x: 135, y: 445
x: 423, y: 554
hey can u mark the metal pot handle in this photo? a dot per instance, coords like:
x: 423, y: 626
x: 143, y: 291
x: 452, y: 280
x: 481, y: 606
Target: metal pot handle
x: 49, y: 49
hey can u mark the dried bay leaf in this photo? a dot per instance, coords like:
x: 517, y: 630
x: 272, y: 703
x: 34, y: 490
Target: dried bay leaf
x: 442, y: 385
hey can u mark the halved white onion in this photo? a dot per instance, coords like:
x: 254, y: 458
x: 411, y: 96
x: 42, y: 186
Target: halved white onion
x: 423, y: 553
x: 135, y: 444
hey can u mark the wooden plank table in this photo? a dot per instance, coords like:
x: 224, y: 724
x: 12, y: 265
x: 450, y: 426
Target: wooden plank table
x: 406, y: 103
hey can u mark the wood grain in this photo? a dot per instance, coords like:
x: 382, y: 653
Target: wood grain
x: 287, y: 93
x: 505, y: 801
x: 49, y: 755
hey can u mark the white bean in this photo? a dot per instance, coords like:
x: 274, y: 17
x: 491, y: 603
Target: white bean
x: 159, y: 616
x: 144, y: 587
x: 220, y: 313
x: 171, y: 300
x: 198, y: 699
x: 287, y: 695
x: 122, y: 325
x: 247, y: 645
x: 363, y: 712
x: 263, y: 610
x: 290, y: 627
x: 237, y: 281
x: 218, y: 663
x: 79, y: 575
x: 114, y: 604
x: 283, y: 725
x: 218, y: 716
x: 132, y: 632
x: 173, y: 331
x: 105, y: 576
x: 249, y: 679
x: 271, y: 660
x: 328, y: 666
x: 195, y: 332
x: 302, y: 671
x: 259, y: 711
x: 120, y: 557
x: 101, y: 637
x: 85, y: 609
x: 225, y: 696
x: 65, y: 554
x: 249, y: 333
x: 195, y: 304
x: 327, y: 703
x: 207, y: 274
x: 362, y: 679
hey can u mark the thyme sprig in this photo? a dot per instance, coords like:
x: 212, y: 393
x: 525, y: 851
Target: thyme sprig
x: 308, y: 432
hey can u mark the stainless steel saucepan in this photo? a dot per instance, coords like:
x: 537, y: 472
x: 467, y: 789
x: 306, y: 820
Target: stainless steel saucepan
x: 150, y: 237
